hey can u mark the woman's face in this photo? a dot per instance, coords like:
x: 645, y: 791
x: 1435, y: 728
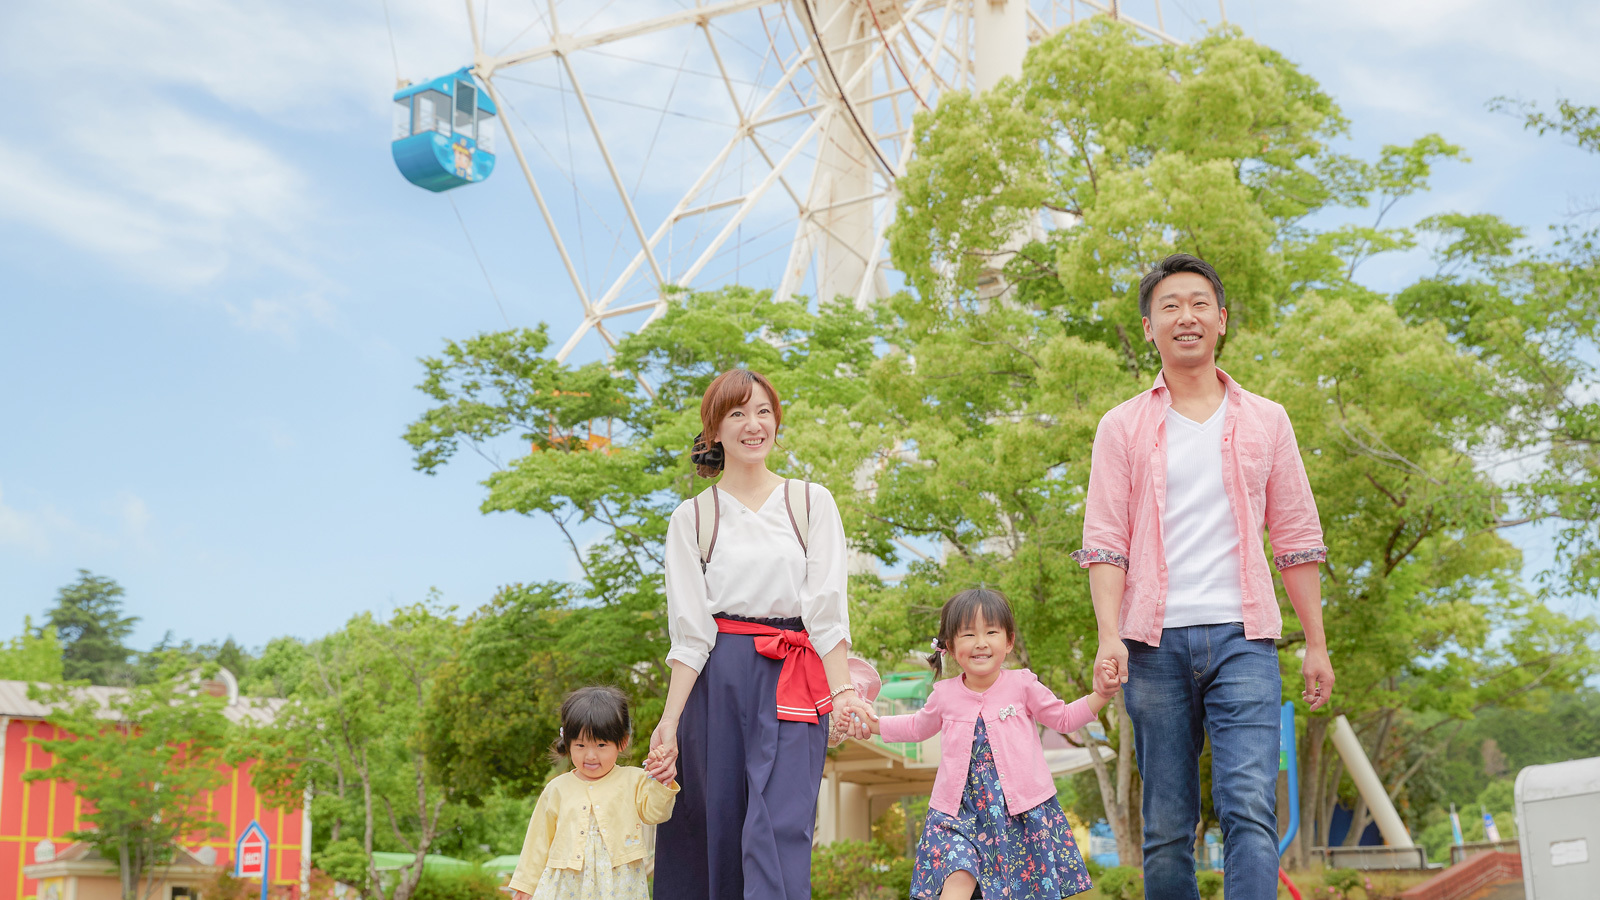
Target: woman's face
x: 747, y: 432
x: 980, y: 647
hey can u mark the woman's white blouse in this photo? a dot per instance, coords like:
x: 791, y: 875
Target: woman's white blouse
x: 757, y: 569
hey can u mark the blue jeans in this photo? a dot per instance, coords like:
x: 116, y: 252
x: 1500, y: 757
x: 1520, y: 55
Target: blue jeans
x: 1207, y: 679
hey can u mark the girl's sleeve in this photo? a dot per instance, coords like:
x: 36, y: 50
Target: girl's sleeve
x: 914, y: 728
x: 689, y: 624
x: 1054, y: 713
x: 824, y: 604
x: 536, y: 845
x: 655, y: 800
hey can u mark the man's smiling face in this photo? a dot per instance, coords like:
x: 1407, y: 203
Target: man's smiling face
x: 1185, y: 321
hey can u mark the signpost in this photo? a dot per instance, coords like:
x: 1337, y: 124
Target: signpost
x: 251, y: 856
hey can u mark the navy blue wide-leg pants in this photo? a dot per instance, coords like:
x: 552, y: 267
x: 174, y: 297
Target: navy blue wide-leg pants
x: 747, y: 803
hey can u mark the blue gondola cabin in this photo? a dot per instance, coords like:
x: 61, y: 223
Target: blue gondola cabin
x: 444, y: 132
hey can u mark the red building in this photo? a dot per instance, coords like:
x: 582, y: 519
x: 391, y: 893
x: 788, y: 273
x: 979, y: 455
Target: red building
x: 46, y: 811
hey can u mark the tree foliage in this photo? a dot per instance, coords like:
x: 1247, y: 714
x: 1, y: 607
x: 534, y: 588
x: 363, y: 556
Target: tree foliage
x: 142, y: 762
x: 954, y: 422
x: 91, y: 629
x: 352, y: 732
x: 33, y: 655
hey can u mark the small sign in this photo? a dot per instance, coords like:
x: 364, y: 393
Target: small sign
x: 252, y: 856
x: 1569, y: 853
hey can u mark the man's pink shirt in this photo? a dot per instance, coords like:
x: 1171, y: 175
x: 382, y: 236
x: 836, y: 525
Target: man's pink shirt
x: 1263, y: 476
x: 1009, y: 709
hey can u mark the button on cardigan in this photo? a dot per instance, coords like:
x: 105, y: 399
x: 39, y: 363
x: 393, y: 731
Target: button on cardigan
x: 953, y: 710
x: 621, y: 800
x: 757, y: 569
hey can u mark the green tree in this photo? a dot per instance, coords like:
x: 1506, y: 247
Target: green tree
x: 979, y: 417
x: 33, y: 655
x: 142, y: 761
x: 91, y: 628
x: 534, y: 421
x: 353, y: 732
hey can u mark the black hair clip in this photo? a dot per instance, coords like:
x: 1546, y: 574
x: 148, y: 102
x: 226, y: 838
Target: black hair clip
x: 704, y: 454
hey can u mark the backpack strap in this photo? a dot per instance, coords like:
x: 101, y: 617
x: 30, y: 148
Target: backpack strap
x: 707, y: 521
x: 797, y: 500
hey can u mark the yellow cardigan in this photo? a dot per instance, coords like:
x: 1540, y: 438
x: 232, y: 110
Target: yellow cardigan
x: 623, y: 800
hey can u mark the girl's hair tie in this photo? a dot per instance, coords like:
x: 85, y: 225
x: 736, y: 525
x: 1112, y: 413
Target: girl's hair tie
x: 935, y: 644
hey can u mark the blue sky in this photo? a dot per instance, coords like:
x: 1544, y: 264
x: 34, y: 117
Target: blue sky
x: 216, y: 286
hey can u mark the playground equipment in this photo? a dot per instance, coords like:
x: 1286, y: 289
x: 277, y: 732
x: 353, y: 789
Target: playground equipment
x: 724, y: 140
x: 443, y: 132
x: 1371, y: 787
x: 1288, y: 763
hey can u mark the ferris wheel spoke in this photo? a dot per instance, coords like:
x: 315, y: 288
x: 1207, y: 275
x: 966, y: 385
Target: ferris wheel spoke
x: 565, y: 44
x: 755, y: 195
x: 538, y: 198
x: 1103, y: 7
x: 611, y: 167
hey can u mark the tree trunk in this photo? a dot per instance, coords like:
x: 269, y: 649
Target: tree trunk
x: 1129, y: 840
x: 1310, y: 788
x: 129, y: 872
x: 1330, y: 798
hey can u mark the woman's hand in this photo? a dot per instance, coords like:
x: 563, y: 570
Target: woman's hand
x: 854, y: 716
x: 663, y: 757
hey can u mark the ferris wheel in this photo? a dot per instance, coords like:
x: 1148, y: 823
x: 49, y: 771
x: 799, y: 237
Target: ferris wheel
x: 686, y: 144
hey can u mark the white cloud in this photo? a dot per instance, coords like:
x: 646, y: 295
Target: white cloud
x: 24, y: 529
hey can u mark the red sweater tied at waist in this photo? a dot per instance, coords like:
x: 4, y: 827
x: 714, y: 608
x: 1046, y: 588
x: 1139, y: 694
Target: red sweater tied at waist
x: 802, y: 682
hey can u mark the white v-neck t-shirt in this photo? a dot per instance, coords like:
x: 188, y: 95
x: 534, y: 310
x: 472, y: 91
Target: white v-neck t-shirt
x: 759, y: 570
x: 1199, y: 536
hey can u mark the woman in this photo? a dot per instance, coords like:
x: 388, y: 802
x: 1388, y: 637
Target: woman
x: 749, y: 766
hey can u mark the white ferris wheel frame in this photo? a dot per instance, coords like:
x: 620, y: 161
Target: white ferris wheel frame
x: 843, y: 212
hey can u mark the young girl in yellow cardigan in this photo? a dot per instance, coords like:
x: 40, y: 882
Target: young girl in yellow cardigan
x: 586, y: 838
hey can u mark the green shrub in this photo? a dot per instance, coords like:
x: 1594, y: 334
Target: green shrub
x: 1122, y: 883
x: 1343, y: 881
x: 1210, y: 885
x: 859, y: 870
x: 344, y: 860
x: 473, y: 884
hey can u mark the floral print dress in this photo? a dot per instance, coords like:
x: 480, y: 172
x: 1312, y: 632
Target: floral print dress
x: 1029, y: 856
x: 598, y: 879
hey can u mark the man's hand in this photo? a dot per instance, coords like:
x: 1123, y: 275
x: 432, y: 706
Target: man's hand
x: 1106, y: 681
x: 1318, y: 671
x: 1110, y: 666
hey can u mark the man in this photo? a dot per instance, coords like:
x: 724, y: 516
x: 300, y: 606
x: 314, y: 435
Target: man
x: 1184, y: 476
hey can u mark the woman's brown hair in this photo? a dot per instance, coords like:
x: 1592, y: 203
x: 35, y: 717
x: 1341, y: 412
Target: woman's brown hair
x: 728, y: 390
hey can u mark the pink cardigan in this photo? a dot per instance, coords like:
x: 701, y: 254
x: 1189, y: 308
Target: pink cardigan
x: 1009, y: 709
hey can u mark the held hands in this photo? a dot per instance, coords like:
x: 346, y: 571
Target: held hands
x: 1110, y: 667
x: 662, y: 762
x: 1106, y: 680
x: 853, y: 717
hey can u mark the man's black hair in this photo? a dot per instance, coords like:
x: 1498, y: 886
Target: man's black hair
x: 598, y: 713
x: 1172, y: 265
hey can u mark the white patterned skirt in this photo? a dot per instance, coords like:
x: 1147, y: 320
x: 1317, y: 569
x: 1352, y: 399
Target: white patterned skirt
x: 598, y: 879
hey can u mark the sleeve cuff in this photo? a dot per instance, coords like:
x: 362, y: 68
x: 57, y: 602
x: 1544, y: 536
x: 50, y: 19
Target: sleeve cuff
x: 825, y: 640
x: 1097, y: 555
x: 523, y: 886
x: 889, y: 728
x: 693, y: 657
x: 1298, y: 557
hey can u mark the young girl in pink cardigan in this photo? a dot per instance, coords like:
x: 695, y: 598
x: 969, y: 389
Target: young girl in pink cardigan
x: 993, y: 820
